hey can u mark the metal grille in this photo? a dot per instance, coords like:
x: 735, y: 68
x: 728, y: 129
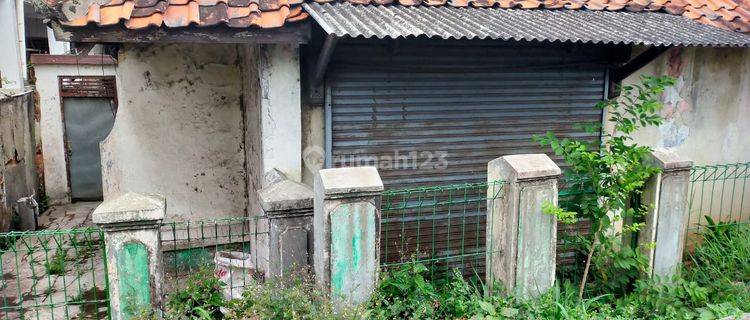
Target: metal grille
x: 442, y: 227
x: 721, y: 192
x: 59, y: 274
x: 88, y: 86
x: 192, y: 246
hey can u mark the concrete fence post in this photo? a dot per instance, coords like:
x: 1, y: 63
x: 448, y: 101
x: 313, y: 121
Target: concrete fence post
x: 288, y: 206
x: 666, y: 220
x: 134, y: 260
x: 521, y: 239
x: 347, y: 233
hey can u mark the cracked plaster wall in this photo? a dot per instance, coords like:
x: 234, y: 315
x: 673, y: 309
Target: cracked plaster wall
x: 17, y: 167
x: 179, y: 130
x: 707, y: 113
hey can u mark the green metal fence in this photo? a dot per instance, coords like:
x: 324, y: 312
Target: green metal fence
x: 206, y: 245
x: 572, y: 191
x: 442, y: 227
x: 721, y: 192
x: 55, y: 274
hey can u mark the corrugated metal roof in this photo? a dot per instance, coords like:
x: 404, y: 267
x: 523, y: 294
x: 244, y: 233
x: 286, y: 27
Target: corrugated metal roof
x: 581, y: 26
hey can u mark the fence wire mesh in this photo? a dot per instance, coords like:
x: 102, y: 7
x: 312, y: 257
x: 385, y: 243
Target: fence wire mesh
x: 228, y: 247
x: 56, y: 274
x: 442, y: 227
x: 718, y: 196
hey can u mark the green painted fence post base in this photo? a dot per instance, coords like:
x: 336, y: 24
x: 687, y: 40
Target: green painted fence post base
x: 346, y: 226
x: 131, y: 230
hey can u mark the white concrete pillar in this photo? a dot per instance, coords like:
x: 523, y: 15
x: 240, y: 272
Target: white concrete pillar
x: 11, y: 61
x: 281, y: 113
x: 134, y: 259
x: 56, y: 47
x: 521, y: 239
x: 666, y: 220
x: 346, y: 227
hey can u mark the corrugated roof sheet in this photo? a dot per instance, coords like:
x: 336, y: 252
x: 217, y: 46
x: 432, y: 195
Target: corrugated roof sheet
x: 583, y: 26
x: 137, y: 14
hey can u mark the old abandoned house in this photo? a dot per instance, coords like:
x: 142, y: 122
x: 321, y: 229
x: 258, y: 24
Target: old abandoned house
x: 213, y: 95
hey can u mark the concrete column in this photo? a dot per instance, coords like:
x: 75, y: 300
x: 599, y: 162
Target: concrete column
x: 134, y: 260
x: 281, y: 113
x: 11, y: 62
x: 347, y: 233
x: 666, y: 220
x: 288, y: 206
x: 521, y: 238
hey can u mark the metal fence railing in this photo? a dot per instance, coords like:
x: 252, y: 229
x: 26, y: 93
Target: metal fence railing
x: 228, y: 247
x: 720, y: 192
x: 55, y: 274
x: 442, y: 227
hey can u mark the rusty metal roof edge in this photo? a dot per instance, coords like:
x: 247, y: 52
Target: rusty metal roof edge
x: 323, y: 14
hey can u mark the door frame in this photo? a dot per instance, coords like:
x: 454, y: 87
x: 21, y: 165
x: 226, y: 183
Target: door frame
x: 72, y: 86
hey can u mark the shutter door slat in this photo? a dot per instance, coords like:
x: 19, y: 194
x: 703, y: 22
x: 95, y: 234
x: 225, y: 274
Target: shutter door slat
x: 474, y: 102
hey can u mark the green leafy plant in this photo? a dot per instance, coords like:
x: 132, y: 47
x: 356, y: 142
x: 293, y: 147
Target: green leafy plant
x: 56, y: 265
x: 614, y: 170
x: 296, y: 297
x: 201, y: 298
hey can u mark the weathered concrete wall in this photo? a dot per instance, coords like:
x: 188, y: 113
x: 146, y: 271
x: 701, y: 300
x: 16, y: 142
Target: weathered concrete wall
x: 17, y: 169
x: 313, y: 141
x: 51, y: 125
x: 179, y: 130
x: 253, y: 129
x: 273, y: 124
x: 280, y: 109
x: 707, y: 114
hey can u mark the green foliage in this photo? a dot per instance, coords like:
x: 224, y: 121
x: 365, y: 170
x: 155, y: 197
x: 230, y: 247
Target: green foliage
x: 293, y: 298
x: 56, y: 265
x: 722, y: 263
x: 566, y: 217
x: 406, y: 293
x: 614, y: 171
x: 200, y: 299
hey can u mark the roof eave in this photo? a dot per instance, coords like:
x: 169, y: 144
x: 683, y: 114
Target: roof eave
x: 297, y: 32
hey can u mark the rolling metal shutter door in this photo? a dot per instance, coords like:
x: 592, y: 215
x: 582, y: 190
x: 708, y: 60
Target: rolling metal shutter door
x: 469, y: 102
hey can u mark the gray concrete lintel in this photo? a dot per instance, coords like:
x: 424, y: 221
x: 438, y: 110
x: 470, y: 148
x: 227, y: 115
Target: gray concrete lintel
x: 527, y: 167
x: 286, y: 197
x: 668, y: 160
x: 130, y: 208
x: 350, y: 182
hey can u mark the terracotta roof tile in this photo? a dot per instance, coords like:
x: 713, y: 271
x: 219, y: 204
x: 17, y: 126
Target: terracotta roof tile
x: 138, y: 14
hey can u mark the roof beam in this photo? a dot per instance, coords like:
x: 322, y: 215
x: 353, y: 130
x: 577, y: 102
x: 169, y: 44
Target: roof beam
x: 637, y: 63
x: 290, y: 33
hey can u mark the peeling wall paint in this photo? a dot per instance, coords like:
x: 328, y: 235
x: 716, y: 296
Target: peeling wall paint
x: 51, y: 126
x: 707, y: 112
x: 179, y: 130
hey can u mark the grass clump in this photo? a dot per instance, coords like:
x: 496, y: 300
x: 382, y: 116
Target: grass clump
x: 56, y: 265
